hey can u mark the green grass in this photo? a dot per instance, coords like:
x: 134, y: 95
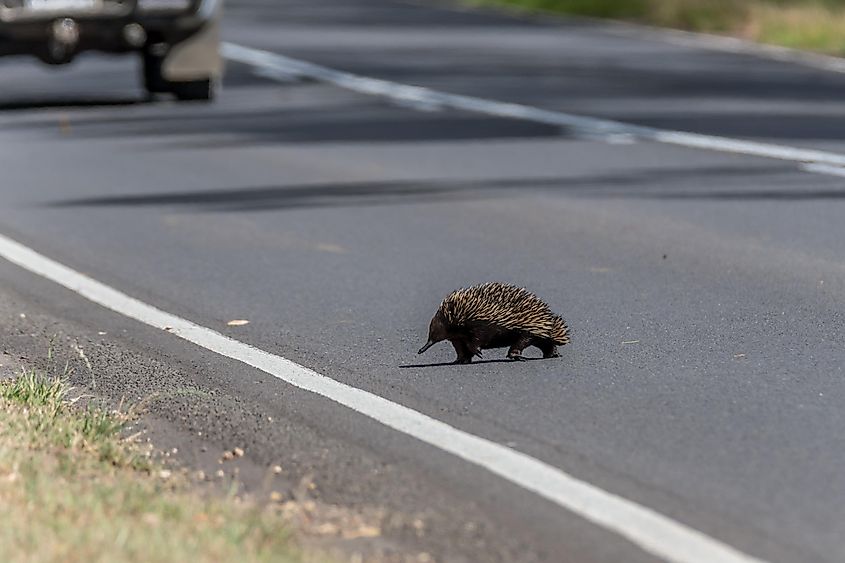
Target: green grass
x: 73, y: 488
x: 35, y: 390
x: 817, y: 28
x: 817, y: 25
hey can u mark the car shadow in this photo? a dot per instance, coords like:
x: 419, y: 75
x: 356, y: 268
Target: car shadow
x: 70, y: 103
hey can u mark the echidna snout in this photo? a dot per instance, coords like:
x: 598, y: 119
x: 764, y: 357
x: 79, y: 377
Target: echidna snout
x: 436, y: 332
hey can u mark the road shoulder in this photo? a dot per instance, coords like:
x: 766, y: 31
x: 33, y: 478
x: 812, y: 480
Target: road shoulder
x: 200, y: 423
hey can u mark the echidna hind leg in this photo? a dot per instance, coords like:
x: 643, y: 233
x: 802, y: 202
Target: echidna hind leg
x: 553, y: 353
x: 549, y: 350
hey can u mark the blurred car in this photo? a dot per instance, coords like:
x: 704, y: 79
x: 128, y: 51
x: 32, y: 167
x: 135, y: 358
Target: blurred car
x: 178, y: 40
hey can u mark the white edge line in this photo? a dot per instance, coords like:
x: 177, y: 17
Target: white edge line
x: 646, y: 528
x: 418, y: 96
x: 824, y: 169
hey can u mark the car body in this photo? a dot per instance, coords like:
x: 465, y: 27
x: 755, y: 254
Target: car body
x: 178, y: 40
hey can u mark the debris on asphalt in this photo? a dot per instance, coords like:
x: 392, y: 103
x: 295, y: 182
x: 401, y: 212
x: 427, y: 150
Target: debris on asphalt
x: 229, y: 455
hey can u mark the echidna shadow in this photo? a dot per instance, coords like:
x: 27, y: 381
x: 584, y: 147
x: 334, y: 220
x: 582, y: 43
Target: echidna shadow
x: 496, y: 315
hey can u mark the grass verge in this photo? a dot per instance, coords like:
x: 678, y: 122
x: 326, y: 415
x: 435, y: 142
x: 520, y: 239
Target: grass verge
x: 817, y: 25
x: 73, y: 488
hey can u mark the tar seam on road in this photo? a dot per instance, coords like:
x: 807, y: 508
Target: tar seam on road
x: 650, y: 530
x: 287, y: 69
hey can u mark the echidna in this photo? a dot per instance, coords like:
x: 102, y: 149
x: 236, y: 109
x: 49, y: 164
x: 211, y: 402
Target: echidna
x: 494, y: 315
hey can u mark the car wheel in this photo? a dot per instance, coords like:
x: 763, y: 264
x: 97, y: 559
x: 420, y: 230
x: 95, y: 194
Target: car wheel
x: 154, y: 81
x: 194, y: 90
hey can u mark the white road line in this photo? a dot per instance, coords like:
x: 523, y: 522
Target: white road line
x: 286, y: 68
x: 648, y: 529
x: 824, y: 169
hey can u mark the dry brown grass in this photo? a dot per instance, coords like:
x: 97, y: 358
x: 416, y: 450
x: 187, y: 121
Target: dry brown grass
x: 817, y: 25
x: 74, y: 489
x: 811, y: 27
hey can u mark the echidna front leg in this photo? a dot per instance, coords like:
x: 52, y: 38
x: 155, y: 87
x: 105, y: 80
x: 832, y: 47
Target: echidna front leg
x: 515, y: 352
x: 463, y: 351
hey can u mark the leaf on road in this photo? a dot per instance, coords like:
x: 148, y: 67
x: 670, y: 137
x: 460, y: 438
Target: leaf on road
x: 328, y: 247
x: 364, y: 531
x: 238, y: 322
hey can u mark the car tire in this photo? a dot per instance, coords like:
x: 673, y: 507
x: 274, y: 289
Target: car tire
x: 194, y: 90
x: 154, y: 82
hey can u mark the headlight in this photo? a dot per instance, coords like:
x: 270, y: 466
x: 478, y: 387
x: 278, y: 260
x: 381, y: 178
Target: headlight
x: 163, y: 5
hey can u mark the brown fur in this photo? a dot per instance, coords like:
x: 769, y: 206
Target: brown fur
x: 495, y: 315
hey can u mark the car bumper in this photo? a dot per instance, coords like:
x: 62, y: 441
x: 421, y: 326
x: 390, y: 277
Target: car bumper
x: 114, y: 26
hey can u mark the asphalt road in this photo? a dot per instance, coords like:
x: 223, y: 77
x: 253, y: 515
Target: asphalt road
x: 705, y: 288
